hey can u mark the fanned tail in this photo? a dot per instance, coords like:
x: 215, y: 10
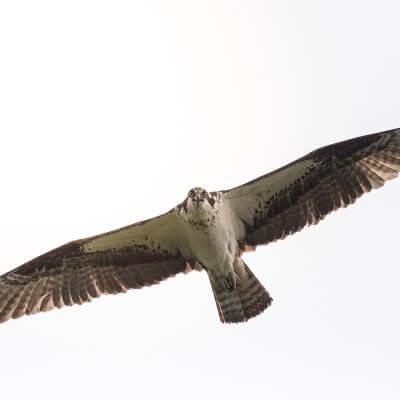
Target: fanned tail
x: 246, y: 301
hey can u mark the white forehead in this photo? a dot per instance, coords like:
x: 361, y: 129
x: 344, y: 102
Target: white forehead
x: 198, y: 189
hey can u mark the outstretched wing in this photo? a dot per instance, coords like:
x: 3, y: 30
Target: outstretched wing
x: 132, y: 257
x: 305, y: 191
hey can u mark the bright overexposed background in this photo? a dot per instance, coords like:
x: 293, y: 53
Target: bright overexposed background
x: 111, y: 110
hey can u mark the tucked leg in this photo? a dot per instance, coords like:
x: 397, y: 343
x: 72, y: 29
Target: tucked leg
x: 230, y: 281
x: 248, y: 300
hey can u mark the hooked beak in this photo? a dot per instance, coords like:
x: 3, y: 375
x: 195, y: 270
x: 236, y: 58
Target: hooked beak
x: 197, y: 200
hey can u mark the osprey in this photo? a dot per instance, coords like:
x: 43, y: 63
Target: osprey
x: 207, y: 231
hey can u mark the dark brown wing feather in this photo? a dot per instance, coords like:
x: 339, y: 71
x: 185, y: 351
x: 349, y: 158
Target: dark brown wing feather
x: 139, y: 255
x: 305, y: 191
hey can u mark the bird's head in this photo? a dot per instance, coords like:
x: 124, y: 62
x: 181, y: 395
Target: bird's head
x: 199, y: 204
x: 196, y: 197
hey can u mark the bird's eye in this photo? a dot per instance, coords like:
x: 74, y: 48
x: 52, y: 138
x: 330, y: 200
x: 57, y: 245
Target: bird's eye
x: 191, y: 193
x: 204, y: 195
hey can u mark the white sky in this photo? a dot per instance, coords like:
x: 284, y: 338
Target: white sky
x: 111, y: 110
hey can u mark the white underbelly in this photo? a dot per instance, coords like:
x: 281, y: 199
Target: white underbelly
x: 211, y: 237
x: 213, y: 247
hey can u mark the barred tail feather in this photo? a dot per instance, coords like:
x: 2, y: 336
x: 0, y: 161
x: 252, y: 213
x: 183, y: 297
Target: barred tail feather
x: 248, y: 300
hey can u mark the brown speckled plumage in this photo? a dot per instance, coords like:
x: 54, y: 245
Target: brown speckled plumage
x: 259, y: 212
x: 335, y: 177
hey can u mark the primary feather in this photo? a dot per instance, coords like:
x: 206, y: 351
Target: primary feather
x: 207, y: 231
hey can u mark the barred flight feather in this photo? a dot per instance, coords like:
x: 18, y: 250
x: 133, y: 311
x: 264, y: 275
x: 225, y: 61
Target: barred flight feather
x: 259, y: 212
x: 71, y: 274
x: 311, y: 187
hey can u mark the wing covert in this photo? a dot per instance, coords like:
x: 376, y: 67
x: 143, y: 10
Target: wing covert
x: 305, y: 191
x: 138, y: 255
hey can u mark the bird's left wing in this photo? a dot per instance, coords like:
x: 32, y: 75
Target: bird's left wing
x: 305, y: 191
x: 138, y: 255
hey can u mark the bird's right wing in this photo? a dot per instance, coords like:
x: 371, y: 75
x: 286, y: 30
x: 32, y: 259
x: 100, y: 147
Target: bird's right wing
x: 305, y: 191
x: 138, y: 255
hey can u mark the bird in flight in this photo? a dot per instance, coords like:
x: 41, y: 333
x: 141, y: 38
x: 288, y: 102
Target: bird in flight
x: 208, y: 231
